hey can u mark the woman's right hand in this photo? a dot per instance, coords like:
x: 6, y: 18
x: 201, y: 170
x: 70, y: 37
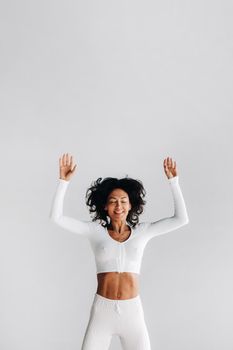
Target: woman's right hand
x: 66, y: 167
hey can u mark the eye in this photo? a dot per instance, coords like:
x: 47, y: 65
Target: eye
x: 113, y: 201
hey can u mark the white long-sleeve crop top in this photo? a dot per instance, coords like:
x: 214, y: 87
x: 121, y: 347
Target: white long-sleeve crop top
x: 111, y: 255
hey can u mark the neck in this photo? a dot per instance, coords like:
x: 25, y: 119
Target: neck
x: 118, y: 226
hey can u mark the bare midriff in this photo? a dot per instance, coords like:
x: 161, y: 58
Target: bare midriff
x: 118, y: 285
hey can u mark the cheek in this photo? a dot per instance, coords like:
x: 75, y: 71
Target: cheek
x: 111, y: 208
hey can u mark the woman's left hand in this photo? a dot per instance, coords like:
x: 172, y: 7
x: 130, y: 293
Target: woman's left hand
x: 169, y: 167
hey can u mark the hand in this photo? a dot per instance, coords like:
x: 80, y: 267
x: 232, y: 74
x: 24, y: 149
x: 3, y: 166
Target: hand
x: 66, y: 167
x: 169, y: 167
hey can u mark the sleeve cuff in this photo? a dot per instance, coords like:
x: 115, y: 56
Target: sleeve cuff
x: 63, y: 181
x: 174, y: 179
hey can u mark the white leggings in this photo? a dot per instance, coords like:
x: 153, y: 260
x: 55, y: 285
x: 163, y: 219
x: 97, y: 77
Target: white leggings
x: 124, y: 318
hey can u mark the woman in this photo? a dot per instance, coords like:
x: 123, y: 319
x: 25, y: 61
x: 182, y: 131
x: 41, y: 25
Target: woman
x: 118, y: 243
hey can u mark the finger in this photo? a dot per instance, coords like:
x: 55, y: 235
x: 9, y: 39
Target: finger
x: 74, y: 168
x: 67, y: 158
x: 71, y: 161
x: 63, y: 159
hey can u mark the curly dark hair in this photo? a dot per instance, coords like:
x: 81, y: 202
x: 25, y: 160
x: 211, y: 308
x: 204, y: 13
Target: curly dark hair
x: 97, y: 194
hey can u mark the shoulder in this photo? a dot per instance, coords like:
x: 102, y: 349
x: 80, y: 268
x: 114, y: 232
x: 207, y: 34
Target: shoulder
x: 141, y: 226
x: 95, y: 226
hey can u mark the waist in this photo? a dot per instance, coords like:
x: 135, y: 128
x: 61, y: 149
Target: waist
x: 107, y: 301
x: 132, y: 306
x: 118, y: 285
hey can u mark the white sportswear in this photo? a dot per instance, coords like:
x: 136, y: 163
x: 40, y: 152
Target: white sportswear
x: 111, y: 255
x: 123, y: 318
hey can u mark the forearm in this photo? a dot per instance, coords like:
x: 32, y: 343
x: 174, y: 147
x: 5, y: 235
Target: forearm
x: 180, y: 210
x: 56, y: 213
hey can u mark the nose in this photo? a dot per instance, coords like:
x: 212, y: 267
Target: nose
x: 118, y: 207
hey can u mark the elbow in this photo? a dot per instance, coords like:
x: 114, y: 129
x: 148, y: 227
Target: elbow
x: 183, y: 218
x: 186, y: 220
x: 182, y: 221
x: 53, y: 218
x: 54, y: 215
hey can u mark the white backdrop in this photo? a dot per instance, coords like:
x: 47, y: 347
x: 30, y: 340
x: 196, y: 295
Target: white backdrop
x: 120, y: 85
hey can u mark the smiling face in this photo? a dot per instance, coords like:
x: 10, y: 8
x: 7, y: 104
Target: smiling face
x: 118, y: 205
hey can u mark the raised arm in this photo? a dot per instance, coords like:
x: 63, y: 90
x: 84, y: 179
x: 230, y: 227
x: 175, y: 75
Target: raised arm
x: 180, y: 217
x: 56, y: 212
